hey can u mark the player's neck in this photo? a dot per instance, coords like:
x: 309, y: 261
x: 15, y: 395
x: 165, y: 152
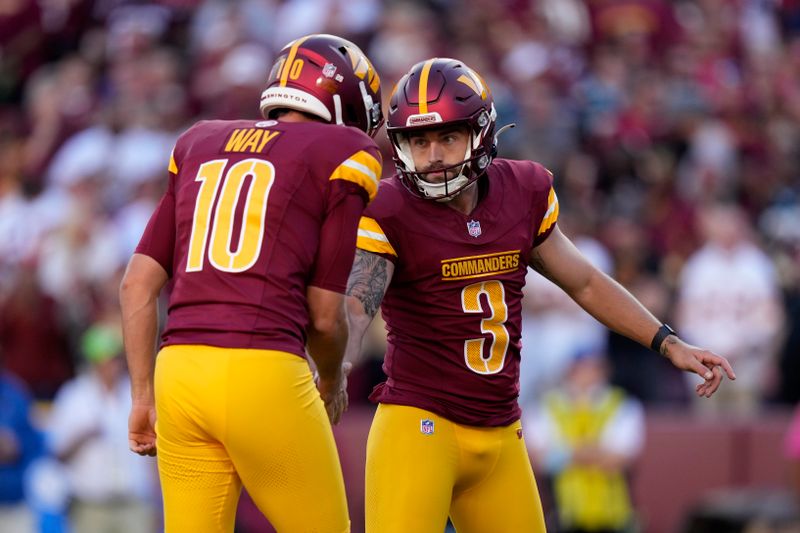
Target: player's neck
x: 296, y: 116
x: 466, y: 201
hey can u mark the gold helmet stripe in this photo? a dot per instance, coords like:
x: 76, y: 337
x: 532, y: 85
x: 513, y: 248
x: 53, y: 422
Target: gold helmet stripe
x: 287, y: 66
x: 423, y: 86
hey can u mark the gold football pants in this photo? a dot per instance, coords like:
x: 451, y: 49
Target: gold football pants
x: 228, y: 417
x: 422, y: 467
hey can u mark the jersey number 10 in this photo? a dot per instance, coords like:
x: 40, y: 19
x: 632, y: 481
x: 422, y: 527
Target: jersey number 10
x: 251, y: 233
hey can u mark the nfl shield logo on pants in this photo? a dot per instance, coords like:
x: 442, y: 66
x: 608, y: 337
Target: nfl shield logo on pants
x: 474, y: 228
x: 426, y: 426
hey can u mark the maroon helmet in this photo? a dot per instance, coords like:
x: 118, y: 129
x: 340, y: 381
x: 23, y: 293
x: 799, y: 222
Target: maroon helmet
x: 435, y: 93
x: 328, y: 77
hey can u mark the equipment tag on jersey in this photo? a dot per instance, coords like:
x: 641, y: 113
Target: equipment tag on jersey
x: 426, y: 426
x: 474, y: 228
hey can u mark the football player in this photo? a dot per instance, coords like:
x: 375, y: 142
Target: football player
x: 256, y: 234
x: 443, y: 251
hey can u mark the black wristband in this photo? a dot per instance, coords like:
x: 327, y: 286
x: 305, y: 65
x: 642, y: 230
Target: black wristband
x: 658, y: 339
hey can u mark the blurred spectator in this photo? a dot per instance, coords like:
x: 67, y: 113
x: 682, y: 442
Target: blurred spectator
x: 585, y: 436
x: 60, y: 99
x: 729, y: 300
x: 112, y: 489
x: 20, y: 444
x: 402, y: 40
x: 33, y: 338
x: 22, y: 43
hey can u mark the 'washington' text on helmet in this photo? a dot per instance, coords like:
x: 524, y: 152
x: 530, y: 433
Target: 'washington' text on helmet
x: 328, y: 77
x: 437, y: 93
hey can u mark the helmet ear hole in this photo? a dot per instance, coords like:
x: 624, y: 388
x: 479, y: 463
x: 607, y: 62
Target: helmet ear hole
x: 350, y: 114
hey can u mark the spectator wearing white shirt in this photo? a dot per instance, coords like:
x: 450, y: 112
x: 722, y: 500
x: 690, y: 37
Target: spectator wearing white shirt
x: 729, y: 300
x: 112, y: 490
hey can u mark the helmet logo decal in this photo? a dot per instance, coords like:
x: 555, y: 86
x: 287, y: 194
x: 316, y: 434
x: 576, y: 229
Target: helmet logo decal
x: 421, y: 120
x: 473, y: 83
x: 329, y: 70
x: 363, y: 68
x: 423, y: 86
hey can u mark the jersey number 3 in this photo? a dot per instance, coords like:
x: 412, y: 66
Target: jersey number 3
x: 221, y: 254
x: 494, y: 325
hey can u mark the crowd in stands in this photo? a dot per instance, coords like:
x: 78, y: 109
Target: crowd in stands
x: 672, y: 128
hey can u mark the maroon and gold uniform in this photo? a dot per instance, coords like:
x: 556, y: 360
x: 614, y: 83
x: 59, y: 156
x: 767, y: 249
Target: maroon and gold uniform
x: 453, y: 307
x: 239, y: 227
x: 254, y: 213
x: 446, y: 439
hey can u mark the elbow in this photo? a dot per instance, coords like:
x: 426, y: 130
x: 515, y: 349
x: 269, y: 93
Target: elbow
x: 330, y: 322
x: 357, y: 316
x: 136, y: 288
x: 126, y: 288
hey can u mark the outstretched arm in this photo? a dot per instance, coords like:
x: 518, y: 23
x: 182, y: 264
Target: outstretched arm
x: 369, y: 279
x: 558, y: 260
x: 138, y: 296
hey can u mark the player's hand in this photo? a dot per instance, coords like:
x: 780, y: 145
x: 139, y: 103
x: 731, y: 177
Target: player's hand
x: 333, y: 392
x: 704, y: 363
x: 142, y: 429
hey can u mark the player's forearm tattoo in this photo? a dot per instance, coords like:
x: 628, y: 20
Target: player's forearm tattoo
x: 669, y: 341
x: 368, y: 280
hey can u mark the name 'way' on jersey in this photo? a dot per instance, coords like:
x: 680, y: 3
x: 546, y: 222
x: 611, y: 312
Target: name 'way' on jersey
x: 239, y: 228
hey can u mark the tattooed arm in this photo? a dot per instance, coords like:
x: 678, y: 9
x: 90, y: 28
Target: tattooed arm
x: 369, y: 279
x: 558, y: 260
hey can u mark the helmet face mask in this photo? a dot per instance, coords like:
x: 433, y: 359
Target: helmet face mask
x: 442, y: 93
x: 327, y: 77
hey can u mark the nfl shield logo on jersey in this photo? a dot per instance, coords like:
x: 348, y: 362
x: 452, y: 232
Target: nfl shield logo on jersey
x: 474, y: 228
x: 426, y: 426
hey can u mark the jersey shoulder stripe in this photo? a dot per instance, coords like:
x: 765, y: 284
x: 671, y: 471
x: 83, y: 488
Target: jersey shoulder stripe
x: 372, y: 238
x: 361, y: 168
x: 551, y: 215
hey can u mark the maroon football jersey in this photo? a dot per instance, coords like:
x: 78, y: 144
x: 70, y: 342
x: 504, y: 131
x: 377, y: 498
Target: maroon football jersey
x: 255, y: 212
x: 453, y: 308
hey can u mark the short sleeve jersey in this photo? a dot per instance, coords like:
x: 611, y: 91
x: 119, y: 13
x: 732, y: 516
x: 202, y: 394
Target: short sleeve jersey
x: 254, y: 213
x: 453, y: 307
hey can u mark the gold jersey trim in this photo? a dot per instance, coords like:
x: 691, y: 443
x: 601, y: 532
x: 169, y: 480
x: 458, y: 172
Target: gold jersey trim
x: 551, y: 215
x: 362, y: 169
x: 371, y: 238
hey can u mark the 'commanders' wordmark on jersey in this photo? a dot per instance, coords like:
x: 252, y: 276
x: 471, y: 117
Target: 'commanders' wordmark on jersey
x: 478, y: 266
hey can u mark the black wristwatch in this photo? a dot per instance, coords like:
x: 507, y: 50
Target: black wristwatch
x: 658, y: 339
